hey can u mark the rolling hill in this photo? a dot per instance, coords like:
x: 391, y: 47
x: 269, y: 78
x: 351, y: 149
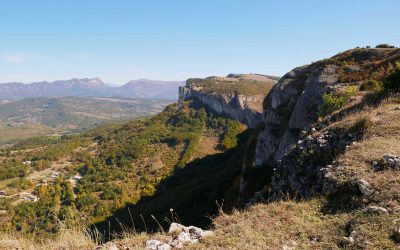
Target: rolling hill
x: 39, y: 116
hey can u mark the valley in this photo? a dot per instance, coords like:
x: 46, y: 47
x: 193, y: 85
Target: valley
x: 199, y: 125
x: 312, y: 156
x: 61, y: 115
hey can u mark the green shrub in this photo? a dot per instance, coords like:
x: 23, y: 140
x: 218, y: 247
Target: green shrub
x: 21, y: 184
x: 111, y: 192
x: 350, y: 91
x: 392, y: 82
x: 230, y: 136
x: 333, y: 102
x: 385, y: 46
x: 85, y: 201
x: 330, y: 103
x: 371, y: 85
x: 12, y: 169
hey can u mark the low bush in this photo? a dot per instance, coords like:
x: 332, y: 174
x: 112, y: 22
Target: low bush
x: 384, y: 46
x: 333, y: 102
x: 371, y: 85
x: 11, y: 170
x: 392, y: 82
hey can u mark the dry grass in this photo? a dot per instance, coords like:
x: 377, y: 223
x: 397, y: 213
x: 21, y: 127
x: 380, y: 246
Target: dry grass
x: 299, y: 225
x: 269, y: 226
x: 208, y: 145
x: 131, y: 240
x: 290, y: 224
x: 68, y: 239
x: 381, y: 136
x: 275, y: 225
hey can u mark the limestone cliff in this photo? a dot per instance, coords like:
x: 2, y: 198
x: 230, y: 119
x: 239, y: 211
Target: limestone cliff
x: 294, y: 142
x: 239, y: 97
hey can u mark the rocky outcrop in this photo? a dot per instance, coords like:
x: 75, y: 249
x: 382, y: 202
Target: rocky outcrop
x: 290, y: 108
x: 289, y: 145
x: 182, y: 236
x: 243, y: 108
x: 178, y: 236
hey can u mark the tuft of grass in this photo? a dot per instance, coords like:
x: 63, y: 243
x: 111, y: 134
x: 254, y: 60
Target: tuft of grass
x: 361, y: 124
x: 67, y: 239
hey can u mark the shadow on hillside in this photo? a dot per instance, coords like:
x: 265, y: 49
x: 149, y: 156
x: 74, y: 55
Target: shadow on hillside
x: 344, y: 200
x: 195, y: 193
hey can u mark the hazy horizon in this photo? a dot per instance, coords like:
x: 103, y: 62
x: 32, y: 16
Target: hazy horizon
x: 111, y: 84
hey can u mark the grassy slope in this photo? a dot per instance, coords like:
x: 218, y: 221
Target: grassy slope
x: 10, y: 132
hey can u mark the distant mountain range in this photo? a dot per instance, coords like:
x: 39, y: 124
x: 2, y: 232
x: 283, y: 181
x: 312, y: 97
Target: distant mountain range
x: 142, y: 88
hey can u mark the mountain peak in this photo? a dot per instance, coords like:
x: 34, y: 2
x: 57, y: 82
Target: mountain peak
x: 141, y: 88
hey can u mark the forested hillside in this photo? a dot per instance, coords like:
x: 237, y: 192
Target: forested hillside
x: 95, y: 174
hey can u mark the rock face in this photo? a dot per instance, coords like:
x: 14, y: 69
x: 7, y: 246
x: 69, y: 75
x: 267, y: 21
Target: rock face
x: 246, y: 109
x: 290, y: 108
x: 292, y: 105
x: 291, y: 143
x: 238, y: 96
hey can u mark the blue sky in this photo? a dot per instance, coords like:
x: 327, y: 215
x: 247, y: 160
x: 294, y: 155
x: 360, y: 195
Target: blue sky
x: 120, y: 40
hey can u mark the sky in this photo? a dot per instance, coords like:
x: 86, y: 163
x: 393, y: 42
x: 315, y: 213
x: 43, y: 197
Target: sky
x: 122, y: 40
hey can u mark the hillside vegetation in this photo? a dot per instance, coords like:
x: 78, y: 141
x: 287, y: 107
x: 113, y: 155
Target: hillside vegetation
x: 243, y: 84
x: 322, y: 172
x: 97, y: 173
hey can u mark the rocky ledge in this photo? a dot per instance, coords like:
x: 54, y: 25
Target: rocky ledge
x: 246, y: 109
x: 241, y: 106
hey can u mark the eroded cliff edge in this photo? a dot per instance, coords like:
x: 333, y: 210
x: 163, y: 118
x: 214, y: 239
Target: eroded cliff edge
x: 239, y: 97
x: 298, y: 143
